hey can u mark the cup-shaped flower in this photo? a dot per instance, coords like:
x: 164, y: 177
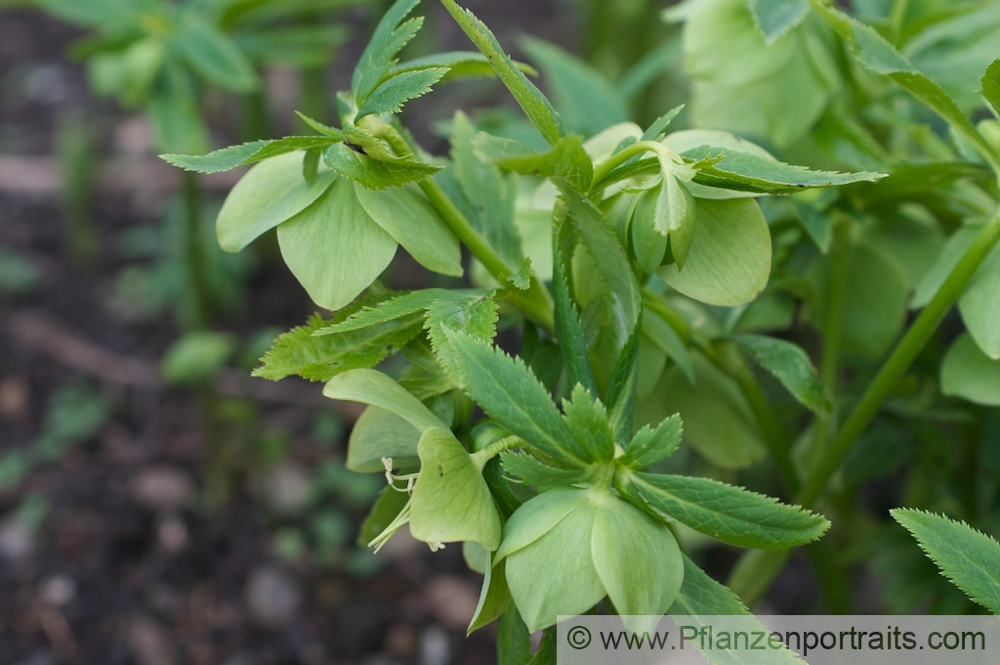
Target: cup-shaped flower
x: 568, y: 548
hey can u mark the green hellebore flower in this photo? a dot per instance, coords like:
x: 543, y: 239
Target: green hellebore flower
x: 336, y: 236
x: 567, y: 548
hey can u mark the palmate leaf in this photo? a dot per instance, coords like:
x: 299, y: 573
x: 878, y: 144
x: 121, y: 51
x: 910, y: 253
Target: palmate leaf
x: 725, y: 512
x: 473, y: 313
x: 587, y: 419
x: 391, y: 35
x: 535, y: 105
x: 790, y: 365
x: 967, y: 557
x: 649, y: 446
x: 510, y: 394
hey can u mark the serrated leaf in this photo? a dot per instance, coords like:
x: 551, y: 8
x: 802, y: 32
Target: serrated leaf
x: 299, y: 352
x: 368, y: 386
x: 460, y: 64
x: 747, y: 172
x: 334, y: 248
x: 391, y: 94
x: 388, y: 310
x: 319, y: 127
x: 218, y: 160
x: 656, y: 130
x: 510, y: 394
x: 535, y: 105
x: 586, y: 100
x: 572, y: 345
x: 215, y: 56
x: 587, y: 420
x: 791, y: 366
x: 969, y: 373
x: 473, y: 313
x: 991, y: 86
x: 368, y: 161
x: 566, y: 159
x: 776, y: 17
x: 650, y: 446
x: 730, y: 258
x: 451, y: 501
x: 701, y: 596
x: 967, y: 557
x: 270, y: 193
x: 390, y: 36
x: 535, y: 473
x: 878, y: 55
x: 407, y: 215
x: 725, y: 512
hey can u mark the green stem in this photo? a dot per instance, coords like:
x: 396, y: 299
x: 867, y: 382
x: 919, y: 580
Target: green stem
x: 902, y: 357
x: 755, y: 570
x: 536, y: 302
x: 480, y: 458
x: 662, y: 152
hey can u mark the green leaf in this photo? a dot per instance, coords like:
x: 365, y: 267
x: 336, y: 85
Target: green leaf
x: 599, y: 238
x: 377, y: 433
x: 701, y: 596
x: 390, y: 36
x: 660, y: 333
x: 296, y: 46
x: 484, y: 195
x: 376, y: 389
x: 334, y: 248
x: 215, y: 57
x: 460, y: 64
x: 566, y: 159
x: 510, y: 394
x: 300, y: 352
x: 725, y: 512
x: 967, y: 557
x: 586, y: 100
x: 991, y: 86
x: 535, y: 105
x: 388, y: 310
x: 472, y: 313
x: 220, y: 160
x: 369, y: 162
x: 513, y: 639
x: 270, y: 193
x: 587, y: 420
x: 104, y: 14
x: 451, y: 501
x: 747, y: 172
x: 175, y: 114
x: 730, y: 258
x: 969, y: 373
x: 790, y: 365
x: 649, y: 243
x: 980, y: 305
x: 955, y: 247
x: 650, y: 446
x: 657, y: 130
x: 572, y: 345
x: 535, y: 473
x: 878, y: 55
x: 718, y: 421
x: 390, y: 95
x: 624, y: 535
x: 774, y: 18
x: 407, y: 215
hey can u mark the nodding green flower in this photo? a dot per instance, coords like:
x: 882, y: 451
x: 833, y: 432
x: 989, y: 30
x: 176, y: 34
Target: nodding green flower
x: 567, y: 548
